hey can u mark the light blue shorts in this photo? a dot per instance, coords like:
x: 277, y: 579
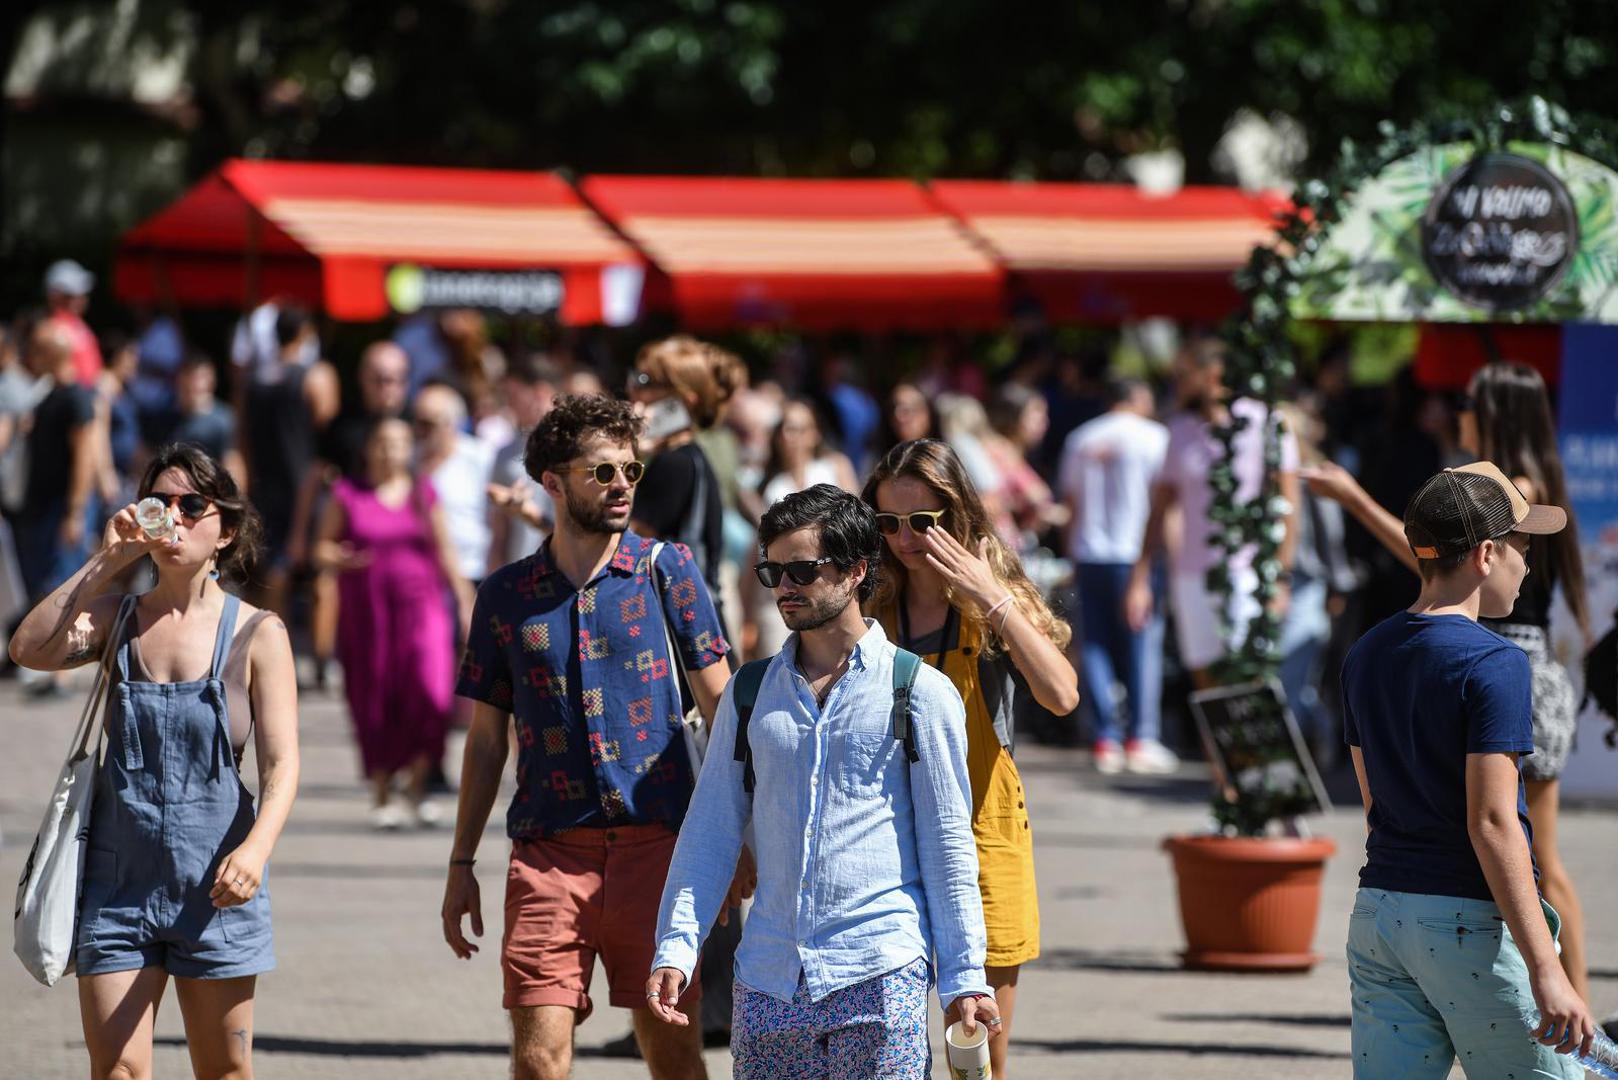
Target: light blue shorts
x: 1437, y: 978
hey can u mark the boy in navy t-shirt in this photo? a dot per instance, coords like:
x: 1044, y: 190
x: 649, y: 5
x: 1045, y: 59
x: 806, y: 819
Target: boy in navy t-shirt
x: 1451, y: 951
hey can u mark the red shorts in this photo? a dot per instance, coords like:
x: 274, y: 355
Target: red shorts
x: 572, y: 897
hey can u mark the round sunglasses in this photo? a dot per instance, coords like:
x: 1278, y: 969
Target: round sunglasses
x: 803, y: 571
x: 190, y: 505
x: 603, y: 473
x: 918, y: 520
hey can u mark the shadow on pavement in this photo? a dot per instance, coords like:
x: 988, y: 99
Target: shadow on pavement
x: 1142, y: 962
x: 1283, y: 1019
x: 360, y: 1048
x: 1156, y: 1048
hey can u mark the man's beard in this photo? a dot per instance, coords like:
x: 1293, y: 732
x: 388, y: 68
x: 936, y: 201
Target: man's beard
x: 817, y: 613
x: 591, y: 517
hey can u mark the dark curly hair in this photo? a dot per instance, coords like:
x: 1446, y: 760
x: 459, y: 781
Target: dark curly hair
x: 576, y: 418
x: 237, y: 518
x: 847, y: 526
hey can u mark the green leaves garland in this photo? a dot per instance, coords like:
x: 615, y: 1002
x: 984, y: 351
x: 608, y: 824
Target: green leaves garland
x: 1260, y: 363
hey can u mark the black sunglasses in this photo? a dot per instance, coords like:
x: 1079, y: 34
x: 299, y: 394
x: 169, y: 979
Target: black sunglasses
x: 604, y: 472
x: 803, y: 571
x: 919, y: 520
x: 190, y: 505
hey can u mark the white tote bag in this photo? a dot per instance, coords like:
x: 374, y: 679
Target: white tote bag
x: 48, y: 894
x: 696, y: 733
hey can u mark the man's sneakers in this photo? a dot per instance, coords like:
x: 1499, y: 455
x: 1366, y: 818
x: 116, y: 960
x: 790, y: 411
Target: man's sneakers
x: 1148, y: 757
x: 1109, y: 758
x: 1142, y: 757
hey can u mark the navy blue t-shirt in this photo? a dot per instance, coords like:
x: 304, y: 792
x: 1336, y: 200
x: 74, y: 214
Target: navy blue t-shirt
x: 1420, y: 692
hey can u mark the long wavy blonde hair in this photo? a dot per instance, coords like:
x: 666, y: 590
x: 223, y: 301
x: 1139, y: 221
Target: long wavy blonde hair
x: 933, y: 464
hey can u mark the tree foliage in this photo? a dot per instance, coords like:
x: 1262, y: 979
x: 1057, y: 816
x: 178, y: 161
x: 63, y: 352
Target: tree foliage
x: 838, y: 87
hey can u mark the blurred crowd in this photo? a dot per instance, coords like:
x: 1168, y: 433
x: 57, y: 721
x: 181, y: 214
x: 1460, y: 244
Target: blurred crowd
x: 389, y: 490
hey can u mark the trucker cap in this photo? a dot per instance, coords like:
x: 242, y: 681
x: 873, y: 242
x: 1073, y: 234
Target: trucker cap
x: 1459, y: 508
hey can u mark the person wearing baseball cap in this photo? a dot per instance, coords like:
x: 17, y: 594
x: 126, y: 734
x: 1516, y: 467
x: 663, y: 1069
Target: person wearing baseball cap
x: 67, y: 295
x: 1452, y: 952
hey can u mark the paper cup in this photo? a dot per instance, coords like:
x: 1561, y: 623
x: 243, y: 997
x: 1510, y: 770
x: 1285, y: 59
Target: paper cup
x: 968, y: 1055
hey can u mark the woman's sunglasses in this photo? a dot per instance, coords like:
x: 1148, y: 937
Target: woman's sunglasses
x: 803, y: 571
x: 918, y: 520
x: 604, y: 472
x: 190, y: 505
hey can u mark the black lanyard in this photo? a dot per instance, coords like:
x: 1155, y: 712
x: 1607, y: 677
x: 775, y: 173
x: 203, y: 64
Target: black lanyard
x: 947, y: 640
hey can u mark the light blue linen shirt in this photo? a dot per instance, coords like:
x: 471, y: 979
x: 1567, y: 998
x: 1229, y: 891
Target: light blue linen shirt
x: 865, y: 861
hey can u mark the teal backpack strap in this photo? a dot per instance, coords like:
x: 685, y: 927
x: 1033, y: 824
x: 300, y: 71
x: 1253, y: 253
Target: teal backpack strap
x: 748, y: 681
x: 905, y: 666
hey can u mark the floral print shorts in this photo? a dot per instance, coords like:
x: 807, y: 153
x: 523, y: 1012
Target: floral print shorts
x: 875, y: 1028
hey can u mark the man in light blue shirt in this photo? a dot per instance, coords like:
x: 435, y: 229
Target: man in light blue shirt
x: 867, y: 869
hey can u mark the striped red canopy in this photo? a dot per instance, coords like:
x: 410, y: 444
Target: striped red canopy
x: 722, y: 251
x: 1112, y: 253
x: 329, y: 235
x: 818, y: 254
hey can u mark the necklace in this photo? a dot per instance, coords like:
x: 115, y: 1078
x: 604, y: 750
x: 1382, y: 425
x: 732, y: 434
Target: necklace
x: 820, y: 696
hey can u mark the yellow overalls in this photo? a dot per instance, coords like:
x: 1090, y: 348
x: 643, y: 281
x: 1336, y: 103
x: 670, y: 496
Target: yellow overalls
x: 1005, y: 842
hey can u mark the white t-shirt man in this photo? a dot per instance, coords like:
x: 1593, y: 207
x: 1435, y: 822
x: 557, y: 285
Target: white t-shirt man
x: 1107, y: 469
x: 462, y: 484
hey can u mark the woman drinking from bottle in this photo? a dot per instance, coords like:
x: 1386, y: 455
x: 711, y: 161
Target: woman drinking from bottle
x: 174, y: 878
x: 954, y: 594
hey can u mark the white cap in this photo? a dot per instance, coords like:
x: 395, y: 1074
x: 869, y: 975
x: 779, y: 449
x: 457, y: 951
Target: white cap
x: 68, y: 277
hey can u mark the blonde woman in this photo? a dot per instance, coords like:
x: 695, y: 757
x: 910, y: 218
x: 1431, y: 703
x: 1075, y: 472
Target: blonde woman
x: 952, y: 592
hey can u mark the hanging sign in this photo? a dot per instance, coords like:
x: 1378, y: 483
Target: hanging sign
x: 1500, y: 232
x: 1447, y: 234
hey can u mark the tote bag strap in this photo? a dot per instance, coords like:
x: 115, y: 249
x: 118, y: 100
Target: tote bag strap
x: 98, y: 690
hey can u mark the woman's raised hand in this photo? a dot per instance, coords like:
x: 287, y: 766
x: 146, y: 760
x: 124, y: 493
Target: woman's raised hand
x: 969, y: 574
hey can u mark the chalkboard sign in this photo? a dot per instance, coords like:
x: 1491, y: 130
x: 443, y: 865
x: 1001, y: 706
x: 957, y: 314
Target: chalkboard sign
x: 1259, y: 756
x: 1500, y: 232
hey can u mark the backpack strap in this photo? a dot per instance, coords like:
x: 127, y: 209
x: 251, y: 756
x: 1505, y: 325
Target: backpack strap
x: 748, y: 681
x: 905, y: 666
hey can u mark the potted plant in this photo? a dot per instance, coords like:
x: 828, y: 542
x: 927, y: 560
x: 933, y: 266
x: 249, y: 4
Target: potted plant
x: 1249, y: 898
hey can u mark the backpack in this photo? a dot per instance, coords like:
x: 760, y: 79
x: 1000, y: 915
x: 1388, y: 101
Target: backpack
x: 751, y: 677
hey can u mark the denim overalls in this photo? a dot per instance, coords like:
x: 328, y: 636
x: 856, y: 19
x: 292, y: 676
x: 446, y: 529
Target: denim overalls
x: 169, y: 805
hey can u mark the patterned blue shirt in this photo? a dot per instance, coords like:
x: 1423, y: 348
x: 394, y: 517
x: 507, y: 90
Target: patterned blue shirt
x: 586, y: 674
x: 865, y: 861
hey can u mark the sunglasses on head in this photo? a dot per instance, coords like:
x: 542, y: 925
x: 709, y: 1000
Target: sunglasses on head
x: 803, y: 571
x: 190, y: 505
x: 604, y: 472
x: 918, y: 520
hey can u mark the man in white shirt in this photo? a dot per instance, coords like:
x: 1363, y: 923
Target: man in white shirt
x: 1108, y: 467
x: 459, y: 467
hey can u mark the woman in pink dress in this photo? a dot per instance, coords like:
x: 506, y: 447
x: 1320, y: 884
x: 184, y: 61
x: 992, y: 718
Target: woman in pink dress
x: 395, y: 631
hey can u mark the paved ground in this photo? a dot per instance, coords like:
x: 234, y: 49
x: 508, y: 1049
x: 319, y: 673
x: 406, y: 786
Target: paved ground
x: 367, y: 989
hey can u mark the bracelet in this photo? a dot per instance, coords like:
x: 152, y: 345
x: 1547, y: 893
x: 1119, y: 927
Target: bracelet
x: 463, y: 862
x: 1001, y: 632
x: 1002, y: 602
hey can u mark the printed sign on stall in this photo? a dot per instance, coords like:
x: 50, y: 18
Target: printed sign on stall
x: 411, y: 288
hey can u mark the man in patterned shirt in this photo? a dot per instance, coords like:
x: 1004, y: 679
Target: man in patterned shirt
x: 571, y: 642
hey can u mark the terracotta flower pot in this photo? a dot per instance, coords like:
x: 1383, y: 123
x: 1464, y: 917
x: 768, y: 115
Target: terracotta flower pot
x: 1249, y: 903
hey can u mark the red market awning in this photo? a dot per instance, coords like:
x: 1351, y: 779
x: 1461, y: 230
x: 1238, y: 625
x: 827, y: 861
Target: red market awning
x: 815, y: 254
x: 1111, y: 253
x: 362, y: 242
